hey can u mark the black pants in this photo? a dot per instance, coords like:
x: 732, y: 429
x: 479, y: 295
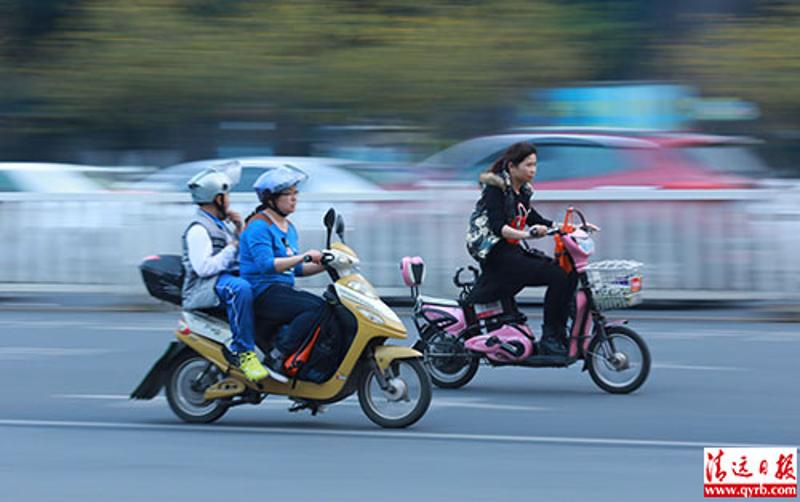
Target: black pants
x: 281, y: 304
x: 508, y: 269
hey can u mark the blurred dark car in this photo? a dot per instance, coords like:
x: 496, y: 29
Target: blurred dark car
x: 584, y: 160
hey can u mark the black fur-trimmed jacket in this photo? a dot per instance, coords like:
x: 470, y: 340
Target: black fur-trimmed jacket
x: 503, y: 204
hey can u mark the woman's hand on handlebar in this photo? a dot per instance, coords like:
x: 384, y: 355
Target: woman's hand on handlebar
x: 314, y: 255
x: 537, y: 231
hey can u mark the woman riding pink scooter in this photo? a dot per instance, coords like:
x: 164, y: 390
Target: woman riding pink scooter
x: 486, y: 326
x: 496, y: 228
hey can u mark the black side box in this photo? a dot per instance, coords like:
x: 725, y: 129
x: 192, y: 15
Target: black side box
x: 163, y: 277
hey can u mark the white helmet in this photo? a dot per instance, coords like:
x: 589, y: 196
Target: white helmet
x: 209, y: 183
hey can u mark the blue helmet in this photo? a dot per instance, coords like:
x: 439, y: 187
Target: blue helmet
x: 277, y: 180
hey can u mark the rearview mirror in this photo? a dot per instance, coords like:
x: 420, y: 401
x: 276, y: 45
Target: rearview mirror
x: 329, y: 219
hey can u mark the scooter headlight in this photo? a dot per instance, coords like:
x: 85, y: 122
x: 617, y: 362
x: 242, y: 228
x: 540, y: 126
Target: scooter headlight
x: 363, y: 288
x: 372, y: 316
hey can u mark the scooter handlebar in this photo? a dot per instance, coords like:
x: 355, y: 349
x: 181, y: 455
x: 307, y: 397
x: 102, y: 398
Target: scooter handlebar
x: 557, y: 230
x: 457, y: 277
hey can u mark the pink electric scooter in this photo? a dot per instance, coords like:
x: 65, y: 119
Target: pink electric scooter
x: 455, y: 336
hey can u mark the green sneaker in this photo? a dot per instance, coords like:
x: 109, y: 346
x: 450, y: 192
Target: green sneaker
x: 251, y: 366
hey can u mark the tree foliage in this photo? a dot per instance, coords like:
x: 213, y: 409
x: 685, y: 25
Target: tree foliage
x: 155, y: 62
x: 756, y: 58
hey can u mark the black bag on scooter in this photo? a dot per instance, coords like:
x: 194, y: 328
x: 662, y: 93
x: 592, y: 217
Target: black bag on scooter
x: 163, y: 277
x: 326, y: 346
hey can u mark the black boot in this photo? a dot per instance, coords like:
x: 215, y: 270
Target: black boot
x: 274, y: 363
x: 554, y: 341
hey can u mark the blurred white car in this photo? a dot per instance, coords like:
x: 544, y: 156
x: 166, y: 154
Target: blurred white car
x: 325, y: 175
x: 46, y: 178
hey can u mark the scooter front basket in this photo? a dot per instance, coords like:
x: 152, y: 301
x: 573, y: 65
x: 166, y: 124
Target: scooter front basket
x: 615, y: 284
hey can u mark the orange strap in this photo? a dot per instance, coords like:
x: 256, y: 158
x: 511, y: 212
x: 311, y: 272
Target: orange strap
x: 299, y: 358
x: 560, y: 252
x: 259, y: 216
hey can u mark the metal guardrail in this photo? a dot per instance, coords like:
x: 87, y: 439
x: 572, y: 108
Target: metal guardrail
x: 715, y: 243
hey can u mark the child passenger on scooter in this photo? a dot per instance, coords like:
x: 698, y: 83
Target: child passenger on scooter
x: 508, y: 268
x: 210, y: 263
x: 271, y: 259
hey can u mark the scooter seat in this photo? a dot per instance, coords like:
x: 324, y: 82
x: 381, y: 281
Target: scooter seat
x: 215, y: 312
x: 442, y: 302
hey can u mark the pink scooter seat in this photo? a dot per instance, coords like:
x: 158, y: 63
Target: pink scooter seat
x: 441, y: 302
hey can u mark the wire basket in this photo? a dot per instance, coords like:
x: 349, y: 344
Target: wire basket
x: 615, y: 284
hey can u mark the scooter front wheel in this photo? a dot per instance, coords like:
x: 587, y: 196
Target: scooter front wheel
x: 191, y: 375
x: 619, y: 363
x: 406, y: 399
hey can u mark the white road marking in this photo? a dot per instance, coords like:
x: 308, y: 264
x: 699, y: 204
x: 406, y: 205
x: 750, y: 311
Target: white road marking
x: 22, y: 353
x: 99, y: 397
x: 744, y: 334
x: 89, y: 325
x: 375, y: 434
x: 350, y: 401
x: 452, y: 403
x: 38, y: 323
x: 775, y: 337
x: 668, y: 366
x: 10, y: 306
x: 692, y: 335
x: 112, y: 327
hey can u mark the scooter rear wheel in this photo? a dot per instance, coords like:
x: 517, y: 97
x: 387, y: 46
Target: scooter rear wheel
x: 620, y: 363
x: 188, y: 380
x: 448, y: 372
x: 403, y: 404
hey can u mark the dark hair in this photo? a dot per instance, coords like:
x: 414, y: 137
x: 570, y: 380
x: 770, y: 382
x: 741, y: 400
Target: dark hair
x: 257, y: 210
x: 515, y: 154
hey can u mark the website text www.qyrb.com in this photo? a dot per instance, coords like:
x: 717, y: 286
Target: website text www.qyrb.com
x: 749, y: 472
x: 749, y: 491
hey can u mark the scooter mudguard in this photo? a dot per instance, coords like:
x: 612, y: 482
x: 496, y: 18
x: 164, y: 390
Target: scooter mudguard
x: 509, y: 344
x: 385, y: 354
x: 582, y: 320
x: 157, y: 376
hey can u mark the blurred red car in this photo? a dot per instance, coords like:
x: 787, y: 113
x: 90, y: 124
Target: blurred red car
x: 577, y: 160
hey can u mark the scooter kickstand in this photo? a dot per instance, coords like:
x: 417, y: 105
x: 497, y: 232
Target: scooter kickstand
x: 303, y: 404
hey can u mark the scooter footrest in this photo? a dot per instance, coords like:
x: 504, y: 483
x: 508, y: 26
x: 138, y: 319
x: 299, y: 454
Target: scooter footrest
x: 546, y: 361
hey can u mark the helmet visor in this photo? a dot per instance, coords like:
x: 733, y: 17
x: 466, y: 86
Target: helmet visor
x: 232, y: 169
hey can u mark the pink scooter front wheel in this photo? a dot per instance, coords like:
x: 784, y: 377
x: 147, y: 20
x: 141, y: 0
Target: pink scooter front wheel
x: 619, y: 363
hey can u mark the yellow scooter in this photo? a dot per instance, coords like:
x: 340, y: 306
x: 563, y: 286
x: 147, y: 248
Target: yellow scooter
x: 202, y: 383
